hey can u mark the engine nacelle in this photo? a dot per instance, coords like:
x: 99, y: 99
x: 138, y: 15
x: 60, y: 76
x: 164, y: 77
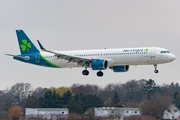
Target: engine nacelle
x: 99, y: 64
x: 122, y: 68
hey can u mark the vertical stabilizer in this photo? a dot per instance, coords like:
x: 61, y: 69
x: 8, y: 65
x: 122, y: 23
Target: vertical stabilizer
x: 25, y: 44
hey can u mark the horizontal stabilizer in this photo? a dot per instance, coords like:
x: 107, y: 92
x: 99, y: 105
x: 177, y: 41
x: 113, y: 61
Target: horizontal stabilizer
x: 10, y: 55
x: 22, y: 57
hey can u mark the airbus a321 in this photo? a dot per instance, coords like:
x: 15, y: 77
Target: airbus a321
x: 118, y: 60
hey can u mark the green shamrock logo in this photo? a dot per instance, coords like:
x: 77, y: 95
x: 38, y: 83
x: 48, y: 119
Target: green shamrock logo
x: 25, y: 46
x: 146, y: 50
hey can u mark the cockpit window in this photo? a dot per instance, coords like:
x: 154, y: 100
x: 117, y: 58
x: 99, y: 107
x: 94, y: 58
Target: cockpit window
x: 165, y: 52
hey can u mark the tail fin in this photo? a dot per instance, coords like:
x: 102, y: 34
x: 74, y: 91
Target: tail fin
x: 25, y: 44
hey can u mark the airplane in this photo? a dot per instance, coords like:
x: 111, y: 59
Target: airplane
x: 117, y: 59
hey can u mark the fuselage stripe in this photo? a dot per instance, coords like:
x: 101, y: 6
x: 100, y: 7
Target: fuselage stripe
x: 50, y: 63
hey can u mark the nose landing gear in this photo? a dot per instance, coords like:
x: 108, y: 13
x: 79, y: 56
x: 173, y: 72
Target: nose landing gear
x: 155, y: 67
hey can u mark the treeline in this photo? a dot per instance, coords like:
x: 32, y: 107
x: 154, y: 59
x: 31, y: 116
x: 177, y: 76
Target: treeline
x: 79, y: 98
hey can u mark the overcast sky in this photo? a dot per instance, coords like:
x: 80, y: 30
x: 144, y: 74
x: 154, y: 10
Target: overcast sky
x: 88, y: 24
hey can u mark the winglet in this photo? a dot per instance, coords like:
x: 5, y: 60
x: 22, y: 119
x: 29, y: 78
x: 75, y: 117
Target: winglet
x: 40, y: 45
x: 42, y: 48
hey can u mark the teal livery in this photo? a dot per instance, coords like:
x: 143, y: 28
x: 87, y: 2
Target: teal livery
x: 29, y: 52
x: 25, y: 44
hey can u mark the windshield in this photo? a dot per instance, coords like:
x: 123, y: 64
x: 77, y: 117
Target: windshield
x: 165, y: 52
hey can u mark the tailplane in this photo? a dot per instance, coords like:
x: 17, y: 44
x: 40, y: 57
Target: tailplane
x: 25, y: 44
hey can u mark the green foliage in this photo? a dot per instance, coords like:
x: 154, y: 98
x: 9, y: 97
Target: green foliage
x: 150, y: 88
x: 62, y: 90
x: 50, y: 100
x: 67, y: 97
x: 75, y: 106
x: 90, y: 101
x: 115, y: 99
x: 176, y: 97
x: 108, y: 103
x: 88, y: 96
x: 90, y: 113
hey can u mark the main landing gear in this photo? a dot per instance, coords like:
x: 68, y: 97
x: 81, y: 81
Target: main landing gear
x: 100, y: 73
x: 86, y: 73
x: 155, y: 67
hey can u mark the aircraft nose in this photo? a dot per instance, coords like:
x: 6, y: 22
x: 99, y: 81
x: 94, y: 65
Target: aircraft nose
x: 172, y: 57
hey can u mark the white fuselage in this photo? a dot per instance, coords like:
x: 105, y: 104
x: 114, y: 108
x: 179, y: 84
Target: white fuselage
x: 119, y: 56
x: 118, y: 59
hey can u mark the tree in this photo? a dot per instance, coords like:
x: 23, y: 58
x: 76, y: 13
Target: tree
x: 176, y: 97
x: 20, y: 91
x: 46, y: 100
x: 156, y: 105
x: 50, y: 100
x: 39, y: 92
x: 15, y: 112
x: 110, y: 87
x: 5, y: 101
x: 108, y: 91
x: 132, y: 91
x: 66, y: 97
x: 115, y: 99
x: 150, y: 88
x: 90, y: 113
x: 108, y: 103
x: 30, y: 102
x: 90, y: 101
x: 62, y: 90
x: 85, y: 89
x: 75, y: 106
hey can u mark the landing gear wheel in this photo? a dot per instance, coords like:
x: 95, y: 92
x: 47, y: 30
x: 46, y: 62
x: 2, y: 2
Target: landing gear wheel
x: 85, y: 72
x: 156, y: 71
x: 99, y: 73
x: 155, y: 67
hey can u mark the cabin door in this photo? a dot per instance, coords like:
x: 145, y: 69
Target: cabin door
x: 38, y: 57
x: 152, y: 55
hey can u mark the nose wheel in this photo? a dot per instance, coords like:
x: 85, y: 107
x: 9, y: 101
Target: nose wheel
x: 155, y: 67
x: 156, y: 71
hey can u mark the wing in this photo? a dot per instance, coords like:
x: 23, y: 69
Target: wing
x: 80, y: 61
